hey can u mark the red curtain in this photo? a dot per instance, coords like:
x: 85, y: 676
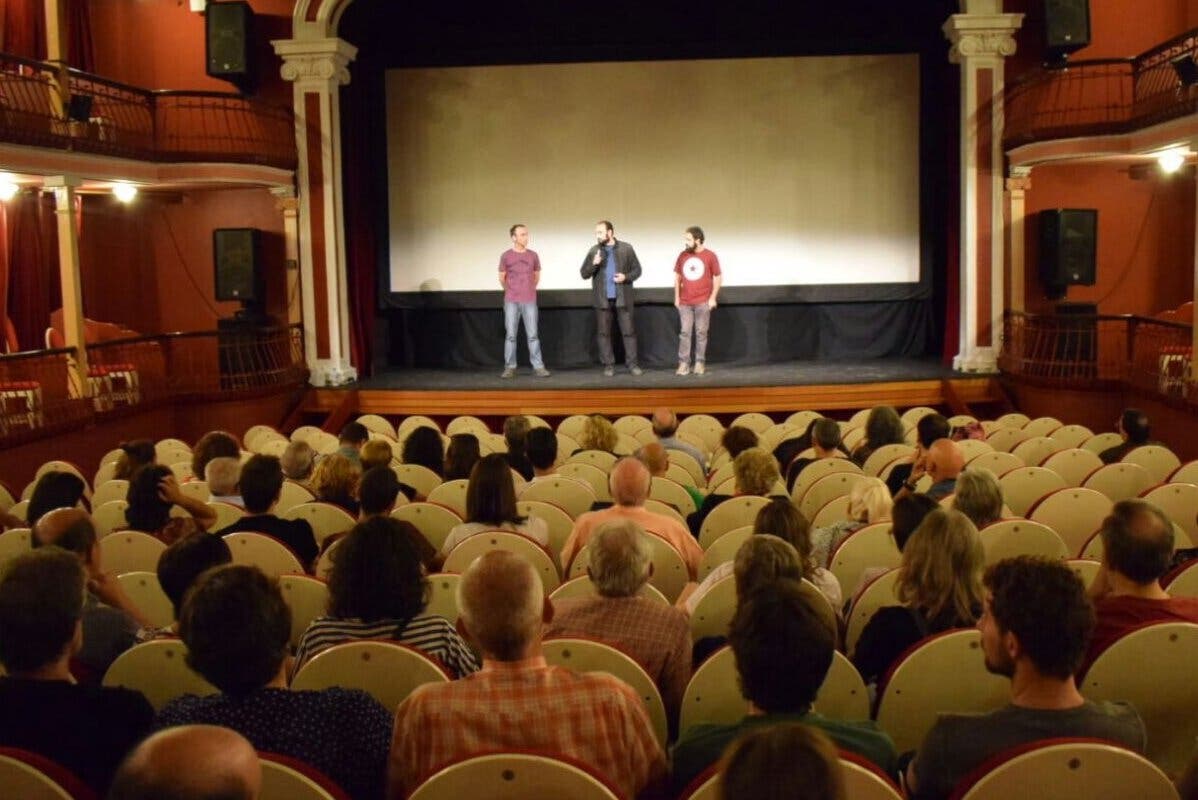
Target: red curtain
x: 81, y: 52
x: 24, y: 28
x: 358, y: 123
x: 34, y: 289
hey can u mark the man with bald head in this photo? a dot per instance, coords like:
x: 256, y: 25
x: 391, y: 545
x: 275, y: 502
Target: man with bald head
x: 629, y: 482
x: 190, y: 762
x: 111, y: 621
x: 517, y: 701
x: 665, y: 426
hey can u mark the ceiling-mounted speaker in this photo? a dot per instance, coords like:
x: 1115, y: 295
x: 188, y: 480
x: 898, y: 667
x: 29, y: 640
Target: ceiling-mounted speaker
x: 1066, y: 27
x: 228, y: 28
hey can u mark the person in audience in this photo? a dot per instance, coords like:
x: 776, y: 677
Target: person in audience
x: 656, y: 636
x: 350, y: 441
x: 134, y: 455
x: 930, y: 429
x: 180, y: 565
x: 377, y: 590
x: 222, y: 475
x: 906, y: 515
x: 378, y: 491
x: 1132, y: 425
x: 541, y: 448
x: 236, y: 624
x: 598, y: 434
x: 825, y: 441
x: 375, y: 453
x: 1034, y: 630
x: 261, y: 483
x: 214, y: 444
x: 939, y: 586
x: 755, y: 472
x: 979, y: 496
x: 788, y: 761
x: 943, y: 462
x: 783, y: 650
x: 152, y: 492
x: 869, y: 502
x: 780, y: 518
x: 335, y: 480
x: 657, y: 459
x: 297, y: 461
x: 55, y: 490
x: 788, y: 449
x: 629, y: 482
x: 736, y: 439
x: 1137, y: 545
x: 111, y: 621
x: 517, y: 701
x: 665, y: 428
x: 515, y: 433
x: 190, y: 762
x: 424, y: 448
x: 87, y: 729
x: 491, y: 506
x: 883, y: 426
x: 463, y: 453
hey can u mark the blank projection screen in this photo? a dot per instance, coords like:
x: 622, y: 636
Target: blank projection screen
x: 800, y: 170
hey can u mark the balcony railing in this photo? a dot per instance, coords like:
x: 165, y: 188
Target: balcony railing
x: 38, y: 396
x: 130, y: 122
x: 1088, y: 98
x: 1090, y: 352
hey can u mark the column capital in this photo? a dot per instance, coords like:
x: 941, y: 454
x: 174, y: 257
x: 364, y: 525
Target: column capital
x: 62, y: 182
x: 285, y: 199
x: 1019, y: 179
x: 976, y: 36
x: 323, y: 61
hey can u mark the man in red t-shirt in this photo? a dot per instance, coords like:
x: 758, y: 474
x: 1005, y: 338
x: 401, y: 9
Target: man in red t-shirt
x: 696, y: 284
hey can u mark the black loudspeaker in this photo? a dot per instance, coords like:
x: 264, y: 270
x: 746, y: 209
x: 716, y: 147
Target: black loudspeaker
x: 1066, y: 26
x: 238, y: 274
x: 227, y: 49
x: 1068, y: 246
x: 1186, y: 69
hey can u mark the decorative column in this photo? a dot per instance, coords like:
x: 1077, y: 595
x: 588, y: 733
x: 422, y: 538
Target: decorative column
x: 64, y: 187
x: 1018, y: 184
x: 981, y: 37
x: 317, y: 69
x: 288, y: 205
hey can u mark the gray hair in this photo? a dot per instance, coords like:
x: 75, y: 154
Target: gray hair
x: 222, y: 475
x: 978, y: 495
x: 619, y: 558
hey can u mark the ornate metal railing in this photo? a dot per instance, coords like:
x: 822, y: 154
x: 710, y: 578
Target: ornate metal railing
x: 114, y: 119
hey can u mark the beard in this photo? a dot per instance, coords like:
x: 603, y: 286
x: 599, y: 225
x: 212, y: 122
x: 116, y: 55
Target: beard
x: 1003, y: 665
x: 690, y: 248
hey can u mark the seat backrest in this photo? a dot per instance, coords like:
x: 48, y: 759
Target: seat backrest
x: 326, y: 519
x: 877, y: 593
x: 1035, y: 449
x: 1074, y: 513
x: 1008, y: 538
x: 1180, y: 502
x: 256, y: 434
x: 1005, y: 440
x: 307, y: 597
x: 1160, y: 461
x: 1152, y: 668
x: 291, y: 495
x: 719, y: 475
x: 433, y: 521
x: 723, y: 549
x: 713, y: 694
x: 387, y: 671
x: 1022, y: 487
x: 451, y: 494
x: 945, y: 671
x: 972, y: 448
x: 829, y: 487
x: 631, y: 423
x: 680, y: 474
x: 884, y: 455
x: 1072, y: 435
x: 377, y: 424
x: 1182, y: 582
x: 1186, y: 473
x: 665, y: 510
x: 31, y: 776
x: 693, y: 468
x: 555, y: 518
x: 582, y: 586
x: 226, y: 514
x: 265, y: 552
x: 285, y: 778
x: 864, y: 780
x: 14, y: 542
x: 147, y: 595
x: 443, y: 595
x: 754, y: 421
x: 843, y: 695
x: 1014, y: 419
x: 672, y: 493
x: 734, y: 512
x: 109, y: 517
x: 600, y: 459
x: 466, y: 424
x: 112, y: 489
x: 670, y: 573
x: 714, y: 610
x: 1073, y: 464
x: 474, y: 546
x: 1102, y: 441
x: 870, y: 546
x: 130, y: 551
x: 158, y: 669
x: 1042, y: 426
x: 998, y: 462
x: 573, y: 425
x: 835, y: 510
x: 515, y: 775
x: 590, y: 474
x: 422, y: 479
x: 703, y: 427
x: 1119, y: 481
x: 573, y: 496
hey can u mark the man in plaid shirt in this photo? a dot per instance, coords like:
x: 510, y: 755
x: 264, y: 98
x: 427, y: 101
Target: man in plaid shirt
x: 517, y: 701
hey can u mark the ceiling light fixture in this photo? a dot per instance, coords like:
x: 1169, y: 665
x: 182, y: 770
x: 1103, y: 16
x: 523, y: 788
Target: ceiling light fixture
x: 8, y: 187
x: 125, y: 192
x: 1171, y: 160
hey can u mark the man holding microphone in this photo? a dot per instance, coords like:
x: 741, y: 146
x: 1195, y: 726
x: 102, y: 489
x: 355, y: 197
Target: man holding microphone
x: 612, y: 266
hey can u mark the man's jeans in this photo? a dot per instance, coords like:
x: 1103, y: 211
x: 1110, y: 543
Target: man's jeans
x: 694, y: 318
x: 512, y: 313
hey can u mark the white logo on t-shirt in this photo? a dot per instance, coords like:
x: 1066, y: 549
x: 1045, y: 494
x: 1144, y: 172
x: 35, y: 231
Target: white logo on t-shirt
x: 693, y: 268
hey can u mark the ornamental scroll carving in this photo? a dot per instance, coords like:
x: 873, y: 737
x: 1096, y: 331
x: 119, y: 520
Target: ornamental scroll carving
x: 985, y: 43
x: 318, y: 66
x: 981, y: 35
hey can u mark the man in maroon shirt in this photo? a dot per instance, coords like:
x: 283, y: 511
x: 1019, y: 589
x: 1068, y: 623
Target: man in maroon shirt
x: 519, y: 274
x: 1137, y: 545
x: 697, y: 281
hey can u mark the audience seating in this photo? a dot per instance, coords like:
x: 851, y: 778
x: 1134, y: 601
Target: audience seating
x: 25, y: 775
x: 972, y: 448
x: 158, y: 669
x: 574, y: 497
x: 108, y: 517
x: 226, y: 514
x: 688, y: 463
x: 291, y: 495
x: 416, y: 421
x: 171, y: 451
x: 1073, y: 464
x: 112, y: 489
x: 466, y: 424
x: 196, y: 490
x: 443, y: 595
x: 1119, y: 481
x: 573, y: 425
x: 1022, y: 487
x: 326, y: 519
x: 852, y: 437
x: 713, y: 694
x: 1089, y: 768
x: 599, y: 459
x: 582, y: 587
x: 704, y: 427
x: 843, y: 694
x: 1085, y: 568
x: 556, y: 520
x: 182, y: 471
x: 1005, y: 440
x: 387, y: 671
x: 719, y: 475
x: 996, y: 461
x: 589, y: 474
x: 672, y: 493
x: 464, y: 554
x: 732, y: 513
x: 433, y: 521
x: 1073, y: 513
x: 1102, y: 441
x: 1014, y: 419
x: 864, y: 780
x: 13, y: 542
x: 680, y: 475
x: 754, y: 421
x: 506, y: 776
x: 723, y: 549
x: 1180, y: 502
x: 1186, y: 473
x: 1036, y: 449
x: 631, y: 423
x: 264, y: 552
x: 714, y: 610
x: 871, y: 546
x: 1042, y: 426
x: 147, y: 595
x: 875, y: 594
x: 666, y: 510
x: 705, y: 786
x: 20, y: 510
x: 1182, y: 582
x: 422, y: 479
x: 130, y: 551
x: 835, y: 510
x: 1152, y: 668
x: 1159, y: 461
x: 451, y: 494
x: 829, y: 487
x: 670, y: 574
x: 105, y: 472
x: 286, y: 778
x: 884, y: 455
x: 307, y: 597
x: 1014, y: 537
x: 945, y: 671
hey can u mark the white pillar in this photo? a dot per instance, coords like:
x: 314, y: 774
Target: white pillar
x: 64, y: 187
x: 981, y: 37
x: 1018, y: 185
x: 288, y: 205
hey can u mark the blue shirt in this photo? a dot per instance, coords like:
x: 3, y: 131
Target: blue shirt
x: 609, y: 271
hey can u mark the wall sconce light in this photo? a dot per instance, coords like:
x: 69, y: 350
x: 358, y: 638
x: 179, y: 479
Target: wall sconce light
x: 125, y: 192
x: 8, y: 188
x: 1172, y: 160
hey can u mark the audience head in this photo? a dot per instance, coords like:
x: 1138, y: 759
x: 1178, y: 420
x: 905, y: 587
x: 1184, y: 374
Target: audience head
x: 354, y: 434
x: 71, y: 529
x: 298, y: 460
x: 941, y: 568
x: 629, y: 482
x: 791, y: 761
x: 41, y: 604
x: 978, y: 496
x: 907, y: 514
x: 1137, y: 541
x: 1133, y: 424
x: 377, y: 491
x: 782, y: 645
x: 1036, y: 610
x: 491, y: 493
x: 134, y: 455
x: 147, y: 511
x: 931, y: 428
x: 738, y: 439
x: 502, y: 605
x: 655, y: 458
x: 187, y: 559
x: 782, y: 518
x: 763, y: 560
x: 883, y: 426
x: 424, y: 447
x: 869, y: 500
x: 755, y: 471
x: 515, y: 433
x: 335, y: 478
x: 261, y: 482
x: 825, y: 434
x: 620, y: 558
x: 598, y: 434
x: 944, y: 460
x: 375, y: 453
x: 665, y: 423
x: 377, y: 573
x: 54, y: 490
x: 214, y: 444
x: 463, y: 453
x: 222, y: 475
x: 190, y: 762
x: 541, y: 448
x: 236, y: 627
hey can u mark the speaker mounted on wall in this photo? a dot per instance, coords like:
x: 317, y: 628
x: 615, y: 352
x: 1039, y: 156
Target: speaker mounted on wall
x: 228, y: 27
x: 237, y: 259
x: 1068, y: 248
x: 1066, y: 28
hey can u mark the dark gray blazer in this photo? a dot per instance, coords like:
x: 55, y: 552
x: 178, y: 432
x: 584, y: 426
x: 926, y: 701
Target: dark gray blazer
x: 626, y: 262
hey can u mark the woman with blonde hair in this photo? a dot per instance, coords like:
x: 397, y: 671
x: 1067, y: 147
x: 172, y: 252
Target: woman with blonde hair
x: 755, y: 472
x: 939, y: 586
x: 869, y: 502
x: 335, y: 480
x: 598, y: 434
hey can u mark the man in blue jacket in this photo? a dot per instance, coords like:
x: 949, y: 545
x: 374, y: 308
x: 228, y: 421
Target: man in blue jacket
x: 612, y: 267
